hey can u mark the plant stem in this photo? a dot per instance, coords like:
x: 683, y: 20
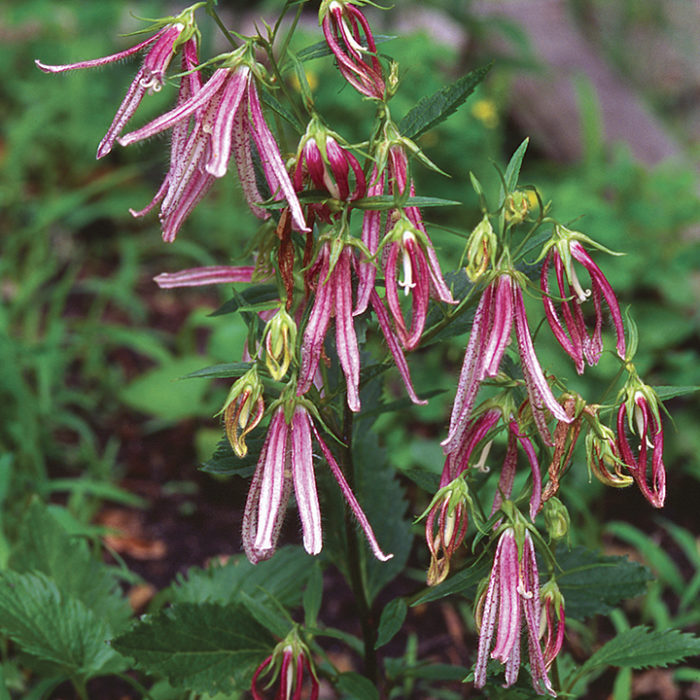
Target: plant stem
x: 357, y: 580
x: 80, y: 688
x: 215, y: 15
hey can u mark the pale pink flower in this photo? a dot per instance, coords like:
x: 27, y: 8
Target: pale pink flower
x: 200, y: 276
x: 572, y: 333
x: 227, y: 115
x: 150, y: 77
x: 286, y: 461
x: 350, y: 39
x: 513, y: 593
x: 501, y: 306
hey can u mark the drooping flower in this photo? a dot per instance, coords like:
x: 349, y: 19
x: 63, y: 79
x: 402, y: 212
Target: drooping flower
x: 513, y: 593
x: 501, y: 306
x: 289, y: 666
x: 174, y: 32
x: 349, y: 37
x: 201, y: 276
x: 227, y: 116
x: 333, y: 297
x: 553, y: 622
x: 572, y: 333
x: 329, y: 167
x: 286, y: 461
x: 644, y: 420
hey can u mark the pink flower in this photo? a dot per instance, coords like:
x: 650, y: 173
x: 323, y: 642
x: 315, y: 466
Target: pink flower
x: 333, y: 297
x: 151, y: 76
x: 290, y: 662
x: 328, y: 167
x: 513, y: 592
x: 286, y: 460
x: 500, y: 306
x: 572, y: 333
x: 553, y: 622
x: 200, y: 276
x: 227, y: 114
x: 350, y: 39
x: 644, y: 421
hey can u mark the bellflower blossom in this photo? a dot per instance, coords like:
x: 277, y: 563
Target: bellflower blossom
x: 174, y: 32
x: 286, y: 461
x: 227, y: 115
x: 513, y: 592
x: 290, y: 662
x: 501, y: 306
x: 350, y: 39
x: 568, y: 323
x: 642, y: 411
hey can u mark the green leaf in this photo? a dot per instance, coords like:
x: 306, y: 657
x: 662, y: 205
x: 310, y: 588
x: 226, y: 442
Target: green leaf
x: 641, y: 647
x: 204, y: 648
x: 390, y: 622
x: 250, y: 297
x: 671, y: 392
x: 464, y: 582
x: 55, y: 629
x: 387, y: 201
x: 432, y: 110
x: 157, y: 392
x: 276, y: 106
x: 313, y: 596
x: 281, y: 577
x: 356, y: 687
x: 224, y: 371
x: 514, y: 165
x: 592, y: 583
x: 45, y: 547
x: 224, y: 462
x: 267, y: 614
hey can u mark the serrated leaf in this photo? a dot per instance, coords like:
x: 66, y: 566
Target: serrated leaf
x: 223, y: 371
x: 204, y: 648
x: 671, y: 392
x: 592, y: 583
x: 281, y: 577
x: 390, y: 622
x: 45, y: 547
x: 641, y: 647
x: 432, y: 110
x: 267, y: 614
x: 53, y: 628
x: 356, y: 687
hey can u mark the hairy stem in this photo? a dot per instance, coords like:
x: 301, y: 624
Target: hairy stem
x: 357, y: 580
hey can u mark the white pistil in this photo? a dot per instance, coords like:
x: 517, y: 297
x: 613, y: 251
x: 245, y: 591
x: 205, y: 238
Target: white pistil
x: 581, y: 293
x: 407, y: 283
x: 481, y: 464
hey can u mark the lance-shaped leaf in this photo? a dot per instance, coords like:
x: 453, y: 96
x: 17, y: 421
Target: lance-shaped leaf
x: 430, y: 111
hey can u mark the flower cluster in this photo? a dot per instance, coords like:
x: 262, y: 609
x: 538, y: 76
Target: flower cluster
x: 344, y: 246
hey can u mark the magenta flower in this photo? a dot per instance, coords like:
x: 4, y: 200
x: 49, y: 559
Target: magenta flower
x: 333, y: 298
x: 500, y: 305
x: 290, y: 662
x: 553, y: 621
x: 150, y: 77
x: 513, y: 592
x: 644, y: 421
x: 328, y: 167
x: 572, y: 333
x: 227, y: 114
x: 350, y: 39
x: 286, y: 460
x: 505, y: 483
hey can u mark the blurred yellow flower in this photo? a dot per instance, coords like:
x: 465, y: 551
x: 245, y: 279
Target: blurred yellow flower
x: 485, y: 112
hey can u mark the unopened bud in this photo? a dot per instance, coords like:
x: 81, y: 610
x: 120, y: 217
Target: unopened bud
x: 556, y: 519
x: 481, y: 248
x: 243, y: 410
x: 280, y: 339
x: 517, y: 207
